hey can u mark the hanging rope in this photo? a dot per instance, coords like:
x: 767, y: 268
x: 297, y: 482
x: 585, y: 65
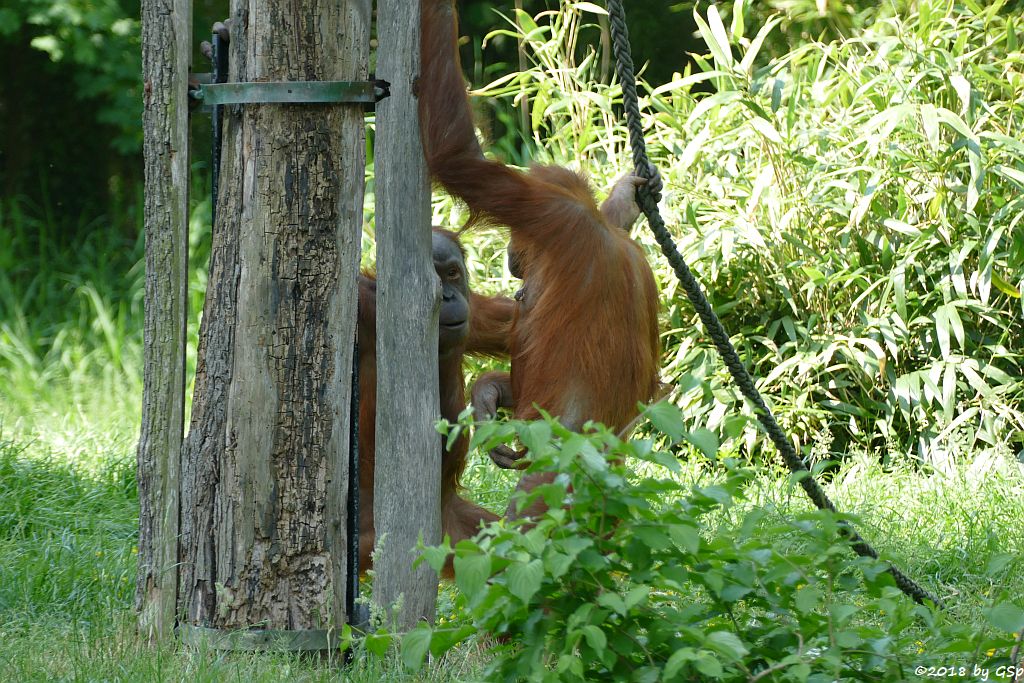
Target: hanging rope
x: 648, y: 197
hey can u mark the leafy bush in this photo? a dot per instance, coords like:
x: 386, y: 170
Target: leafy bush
x: 101, y: 40
x: 853, y: 208
x: 631, y: 577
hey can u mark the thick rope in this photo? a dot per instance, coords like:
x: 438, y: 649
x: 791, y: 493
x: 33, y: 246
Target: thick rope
x: 648, y: 197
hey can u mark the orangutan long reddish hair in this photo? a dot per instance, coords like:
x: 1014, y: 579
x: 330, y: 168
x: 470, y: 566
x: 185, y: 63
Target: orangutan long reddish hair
x: 468, y: 323
x: 585, y: 340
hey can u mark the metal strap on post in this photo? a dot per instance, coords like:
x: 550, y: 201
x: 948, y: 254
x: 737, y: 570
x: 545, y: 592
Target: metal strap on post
x: 291, y: 92
x: 260, y: 640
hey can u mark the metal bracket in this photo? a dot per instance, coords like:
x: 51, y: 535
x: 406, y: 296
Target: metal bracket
x: 292, y: 92
x: 259, y: 640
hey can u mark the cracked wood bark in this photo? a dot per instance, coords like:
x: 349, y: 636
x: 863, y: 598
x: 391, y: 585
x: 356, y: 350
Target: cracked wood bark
x: 407, y: 489
x: 166, y: 45
x: 265, y: 466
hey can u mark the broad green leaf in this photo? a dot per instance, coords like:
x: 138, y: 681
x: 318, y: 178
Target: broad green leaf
x: 949, y: 390
x: 931, y: 380
x: 899, y: 288
x: 378, y: 643
x: 777, y: 86
x: 444, y: 639
x: 807, y: 598
x: 540, y: 105
x: 728, y: 644
x: 963, y: 418
x: 813, y: 274
x: 570, y: 663
x: 472, y: 572
x: 666, y: 418
x: 954, y: 122
x: 636, y: 595
x: 536, y: 436
x: 1011, y: 144
x: 436, y: 556
x: 595, y: 637
x: 524, y: 579
x: 842, y: 613
x: 973, y: 147
x: 1006, y: 617
x: 881, y: 125
x: 525, y: 21
x: 708, y: 665
x: 414, y: 647
x: 676, y: 661
x: 985, y: 281
x: 998, y: 564
x: 612, y: 601
x: 594, y: 461
x: 655, y: 538
x: 685, y: 536
x: 970, y: 373
x: 705, y: 440
x: 571, y: 447
x: 557, y: 564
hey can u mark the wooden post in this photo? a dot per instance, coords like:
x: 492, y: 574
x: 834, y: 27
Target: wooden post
x: 265, y: 464
x: 166, y: 46
x: 407, y: 489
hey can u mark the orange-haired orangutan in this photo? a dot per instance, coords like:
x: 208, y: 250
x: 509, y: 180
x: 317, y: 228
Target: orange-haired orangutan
x: 584, y: 342
x: 468, y: 323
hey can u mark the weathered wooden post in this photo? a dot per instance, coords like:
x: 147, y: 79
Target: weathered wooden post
x: 166, y: 45
x: 407, y: 490
x: 265, y: 464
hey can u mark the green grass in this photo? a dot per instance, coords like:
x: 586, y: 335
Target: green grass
x: 67, y: 544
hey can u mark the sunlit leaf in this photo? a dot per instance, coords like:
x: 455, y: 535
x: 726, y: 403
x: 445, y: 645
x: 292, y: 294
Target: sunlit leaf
x: 589, y: 7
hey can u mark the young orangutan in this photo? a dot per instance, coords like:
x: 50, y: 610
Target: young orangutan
x: 468, y: 323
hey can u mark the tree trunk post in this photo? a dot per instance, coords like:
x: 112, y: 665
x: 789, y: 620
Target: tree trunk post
x: 407, y: 489
x: 265, y: 464
x: 166, y: 46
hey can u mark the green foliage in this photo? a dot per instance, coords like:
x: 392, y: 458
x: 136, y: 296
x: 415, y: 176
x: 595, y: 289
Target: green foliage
x: 632, y: 577
x: 71, y: 320
x: 100, y: 40
x: 853, y: 209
